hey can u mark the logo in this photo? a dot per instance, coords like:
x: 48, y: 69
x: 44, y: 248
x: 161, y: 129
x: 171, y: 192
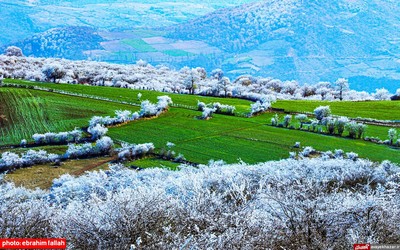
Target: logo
x: 362, y: 247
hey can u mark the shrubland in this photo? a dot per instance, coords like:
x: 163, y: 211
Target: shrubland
x: 331, y: 201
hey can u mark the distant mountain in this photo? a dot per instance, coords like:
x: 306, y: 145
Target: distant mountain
x: 22, y: 19
x: 305, y: 40
x: 68, y: 42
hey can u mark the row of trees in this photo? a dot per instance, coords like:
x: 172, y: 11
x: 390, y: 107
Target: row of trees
x: 186, y: 80
x: 61, y: 137
x: 147, y: 109
x: 323, y: 119
x: 219, y: 108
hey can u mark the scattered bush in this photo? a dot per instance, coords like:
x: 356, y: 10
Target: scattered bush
x: 286, y: 120
x: 207, y: 113
x: 133, y: 151
x: 302, y: 118
x: 322, y: 112
x: 392, y: 134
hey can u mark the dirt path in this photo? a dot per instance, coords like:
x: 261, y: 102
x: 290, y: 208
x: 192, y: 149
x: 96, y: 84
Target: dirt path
x: 92, y: 166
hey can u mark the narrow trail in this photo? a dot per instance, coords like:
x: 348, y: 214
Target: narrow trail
x: 93, y: 166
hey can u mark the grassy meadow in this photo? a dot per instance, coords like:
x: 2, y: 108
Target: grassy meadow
x: 25, y: 112
x: 230, y: 138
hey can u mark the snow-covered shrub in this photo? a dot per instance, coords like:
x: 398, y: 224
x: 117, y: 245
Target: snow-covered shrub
x: 219, y: 108
x: 23, y: 143
x: 392, y: 134
x: 314, y: 125
x: 258, y: 107
x: 326, y: 200
x: 361, y: 128
x: 132, y: 151
x: 148, y: 109
x: 302, y: 118
x: 200, y: 105
x: 286, y: 120
x: 97, y: 131
x: 61, y: 137
x: 207, y: 113
x: 39, y: 138
x: 10, y: 160
x: 330, y: 125
x: 339, y: 153
x: 223, y: 108
x: 123, y: 116
x: 307, y: 151
x: 163, y: 102
x: 356, y: 130
x: 180, y: 158
x: 322, y: 112
x: 78, y: 151
x: 352, y: 129
x: 274, y: 122
x: 104, y: 146
x: 341, y: 124
x: 352, y: 156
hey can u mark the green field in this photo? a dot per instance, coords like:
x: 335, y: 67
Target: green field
x: 231, y: 138
x: 129, y: 95
x: 25, y: 112
x: 382, y: 110
x: 139, y: 45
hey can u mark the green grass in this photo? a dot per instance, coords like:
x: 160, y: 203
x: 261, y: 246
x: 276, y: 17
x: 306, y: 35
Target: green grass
x: 177, y: 52
x: 139, y: 45
x: 129, y: 95
x: 153, y: 163
x: 382, y: 110
x: 232, y: 138
x: 25, y: 112
x: 223, y: 137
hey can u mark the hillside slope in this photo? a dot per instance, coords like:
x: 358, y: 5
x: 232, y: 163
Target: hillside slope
x: 68, y: 42
x: 22, y: 19
x: 305, y: 40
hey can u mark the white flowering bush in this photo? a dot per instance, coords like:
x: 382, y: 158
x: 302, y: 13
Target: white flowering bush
x: 322, y: 112
x: 259, y: 107
x: 392, y: 135
x: 97, y: 131
x: 317, y: 203
x: 61, y: 137
x: 207, y: 113
x: 10, y: 160
x: 133, y: 151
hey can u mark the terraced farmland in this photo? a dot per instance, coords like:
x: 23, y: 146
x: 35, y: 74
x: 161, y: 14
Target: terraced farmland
x: 27, y: 111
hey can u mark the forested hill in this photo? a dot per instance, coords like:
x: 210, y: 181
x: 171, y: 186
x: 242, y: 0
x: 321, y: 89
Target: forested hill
x: 306, y: 40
